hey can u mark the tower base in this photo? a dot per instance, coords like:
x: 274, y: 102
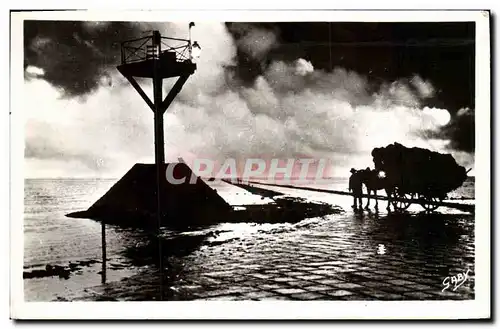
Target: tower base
x: 132, y: 201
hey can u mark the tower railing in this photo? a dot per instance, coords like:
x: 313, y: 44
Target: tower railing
x: 141, y: 49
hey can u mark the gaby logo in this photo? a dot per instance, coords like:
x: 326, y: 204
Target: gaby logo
x: 282, y: 170
x: 456, y: 280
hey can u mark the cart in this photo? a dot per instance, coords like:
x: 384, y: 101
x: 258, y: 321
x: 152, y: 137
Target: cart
x: 417, y: 175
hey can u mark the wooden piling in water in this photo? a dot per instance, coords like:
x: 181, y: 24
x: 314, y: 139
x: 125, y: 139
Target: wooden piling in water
x: 103, y: 245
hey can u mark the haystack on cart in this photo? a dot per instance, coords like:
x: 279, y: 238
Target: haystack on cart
x: 417, y: 175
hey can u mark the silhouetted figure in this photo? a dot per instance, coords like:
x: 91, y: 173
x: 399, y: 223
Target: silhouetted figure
x: 356, y: 187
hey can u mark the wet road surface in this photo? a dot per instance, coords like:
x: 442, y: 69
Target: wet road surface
x: 350, y: 256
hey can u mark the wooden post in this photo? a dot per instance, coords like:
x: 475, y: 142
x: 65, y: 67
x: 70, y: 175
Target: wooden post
x: 159, y: 145
x: 103, y: 245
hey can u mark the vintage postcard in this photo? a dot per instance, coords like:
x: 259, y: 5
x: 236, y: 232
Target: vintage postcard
x: 287, y: 164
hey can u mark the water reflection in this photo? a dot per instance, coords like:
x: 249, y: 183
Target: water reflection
x: 150, y: 250
x: 427, y: 245
x: 424, y: 240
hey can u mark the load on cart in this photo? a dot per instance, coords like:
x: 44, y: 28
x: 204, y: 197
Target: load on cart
x: 413, y: 175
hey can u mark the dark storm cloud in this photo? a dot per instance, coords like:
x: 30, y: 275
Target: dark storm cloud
x: 440, y: 52
x: 75, y: 56
x: 460, y: 131
x: 253, y: 41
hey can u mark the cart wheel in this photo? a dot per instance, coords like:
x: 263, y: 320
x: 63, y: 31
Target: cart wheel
x: 403, y: 201
x: 424, y: 202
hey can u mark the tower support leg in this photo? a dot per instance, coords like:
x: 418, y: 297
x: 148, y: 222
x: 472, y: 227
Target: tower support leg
x: 159, y: 162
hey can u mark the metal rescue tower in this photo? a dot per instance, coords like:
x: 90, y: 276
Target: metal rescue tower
x: 157, y: 57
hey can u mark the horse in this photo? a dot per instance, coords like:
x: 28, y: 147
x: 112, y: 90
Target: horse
x: 374, y: 180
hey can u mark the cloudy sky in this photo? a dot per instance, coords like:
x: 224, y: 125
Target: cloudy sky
x: 317, y: 90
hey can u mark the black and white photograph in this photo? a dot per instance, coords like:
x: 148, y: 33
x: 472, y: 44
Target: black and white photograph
x: 273, y: 157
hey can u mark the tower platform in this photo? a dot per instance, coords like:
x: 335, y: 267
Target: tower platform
x: 146, y: 68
